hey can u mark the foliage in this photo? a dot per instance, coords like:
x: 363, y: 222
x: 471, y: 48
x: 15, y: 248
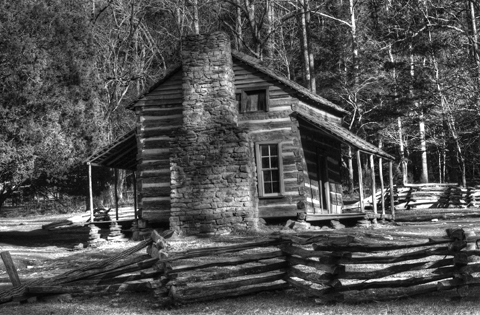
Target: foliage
x: 68, y: 68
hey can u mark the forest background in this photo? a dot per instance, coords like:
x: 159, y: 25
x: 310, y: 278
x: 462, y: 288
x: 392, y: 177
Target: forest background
x: 407, y: 71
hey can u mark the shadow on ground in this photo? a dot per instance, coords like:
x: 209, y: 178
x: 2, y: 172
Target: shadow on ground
x: 43, y: 238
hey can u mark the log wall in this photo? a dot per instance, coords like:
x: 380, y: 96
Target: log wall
x: 159, y: 117
x: 277, y: 126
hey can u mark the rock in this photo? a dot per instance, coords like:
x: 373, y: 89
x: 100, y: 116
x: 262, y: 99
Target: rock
x: 336, y: 225
x: 364, y: 224
x: 78, y: 246
x: 301, y: 226
x: 290, y: 224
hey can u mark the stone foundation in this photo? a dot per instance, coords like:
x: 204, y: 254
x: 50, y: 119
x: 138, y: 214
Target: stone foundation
x: 212, y: 163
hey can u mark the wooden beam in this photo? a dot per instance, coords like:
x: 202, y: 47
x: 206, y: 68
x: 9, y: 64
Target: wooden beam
x: 327, y: 186
x: 382, y: 188
x: 135, y: 206
x: 360, y: 181
x: 90, y: 192
x: 116, y: 194
x: 374, y: 204
x: 390, y: 176
x: 11, y: 269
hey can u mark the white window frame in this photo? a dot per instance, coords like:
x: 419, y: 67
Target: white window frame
x: 260, y: 180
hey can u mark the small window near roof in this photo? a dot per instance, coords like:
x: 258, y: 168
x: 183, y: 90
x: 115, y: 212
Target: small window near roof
x: 250, y: 101
x: 269, y: 169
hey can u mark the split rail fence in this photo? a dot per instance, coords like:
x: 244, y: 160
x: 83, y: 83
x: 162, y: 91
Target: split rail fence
x: 327, y: 268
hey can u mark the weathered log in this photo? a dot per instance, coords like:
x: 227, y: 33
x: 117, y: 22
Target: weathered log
x: 375, y: 248
x: 304, y: 287
x: 232, y: 293
x: 380, y: 273
x: 10, y: 268
x: 116, y: 280
x: 469, y: 269
x: 378, y: 295
x: 137, y: 266
x: 229, y: 262
x: 391, y: 283
x: 421, y: 215
x: 328, y: 268
x: 231, y: 284
x: 280, y: 266
x: 106, y: 271
x: 314, y: 277
x: 457, y: 282
x: 324, y: 257
x: 346, y: 258
x: 211, y: 251
x: 115, y: 258
x: 18, y: 292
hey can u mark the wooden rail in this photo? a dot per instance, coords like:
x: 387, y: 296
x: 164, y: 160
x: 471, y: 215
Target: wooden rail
x: 329, y: 268
x: 347, y: 270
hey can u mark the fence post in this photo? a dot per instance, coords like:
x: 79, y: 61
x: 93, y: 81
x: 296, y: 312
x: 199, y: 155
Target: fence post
x: 10, y: 268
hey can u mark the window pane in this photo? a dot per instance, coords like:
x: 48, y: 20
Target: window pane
x: 265, y: 162
x: 275, y: 176
x: 276, y: 187
x: 267, y: 176
x: 273, y: 149
x: 257, y: 100
x: 267, y: 188
x: 261, y: 101
x: 264, y: 149
x: 274, y: 162
x: 252, y: 103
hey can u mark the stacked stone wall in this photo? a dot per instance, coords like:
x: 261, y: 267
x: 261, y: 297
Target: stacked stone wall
x: 212, y: 162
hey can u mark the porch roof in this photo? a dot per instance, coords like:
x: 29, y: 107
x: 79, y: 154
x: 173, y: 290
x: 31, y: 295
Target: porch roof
x: 121, y: 154
x: 343, y: 135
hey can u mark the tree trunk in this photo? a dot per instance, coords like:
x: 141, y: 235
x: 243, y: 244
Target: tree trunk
x: 311, y: 60
x: 423, y: 147
x: 421, y: 123
x: 474, y: 35
x: 304, y: 45
x: 353, y: 31
x: 238, y: 26
x: 350, y: 171
x: 196, y: 25
x: 270, y: 28
x: 403, y: 161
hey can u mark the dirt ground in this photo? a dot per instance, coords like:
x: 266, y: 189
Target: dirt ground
x: 40, y: 253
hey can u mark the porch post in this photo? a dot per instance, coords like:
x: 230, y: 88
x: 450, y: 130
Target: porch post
x: 360, y: 181
x: 116, y: 194
x: 135, y: 195
x: 327, y: 186
x: 374, y: 204
x: 382, y: 188
x: 90, y: 192
x: 390, y: 175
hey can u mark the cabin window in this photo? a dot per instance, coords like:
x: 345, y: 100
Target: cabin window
x: 254, y: 100
x: 269, y: 169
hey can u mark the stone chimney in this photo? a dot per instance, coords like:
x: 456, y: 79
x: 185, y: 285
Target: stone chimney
x: 212, y: 181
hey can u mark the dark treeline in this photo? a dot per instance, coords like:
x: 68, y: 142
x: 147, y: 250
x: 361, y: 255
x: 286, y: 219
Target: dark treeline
x: 407, y: 71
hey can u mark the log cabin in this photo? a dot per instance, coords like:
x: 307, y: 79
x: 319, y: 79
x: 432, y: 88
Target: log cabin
x: 222, y: 141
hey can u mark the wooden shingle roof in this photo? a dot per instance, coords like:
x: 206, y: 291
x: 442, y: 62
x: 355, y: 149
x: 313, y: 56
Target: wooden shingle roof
x: 121, y: 154
x: 300, y: 91
x: 342, y: 134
